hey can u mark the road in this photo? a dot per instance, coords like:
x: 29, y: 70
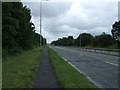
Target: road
x: 101, y: 69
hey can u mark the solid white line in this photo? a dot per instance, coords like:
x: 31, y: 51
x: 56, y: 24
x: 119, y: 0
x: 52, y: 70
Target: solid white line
x: 111, y: 63
x: 96, y: 83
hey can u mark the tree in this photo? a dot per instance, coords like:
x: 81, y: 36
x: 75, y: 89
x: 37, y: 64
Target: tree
x: 84, y: 38
x: 64, y: 41
x: 77, y: 42
x: 70, y: 41
x: 18, y: 30
x: 10, y: 28
x: 95, y: 41
x: 116, y: 30
x: 103, y: 40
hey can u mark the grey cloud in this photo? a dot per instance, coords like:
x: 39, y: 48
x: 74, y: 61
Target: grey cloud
x: 119, y: 10
x: 63, y: 19
x: 49, y: 9
x: 53, y: 9
x: 96, y: 16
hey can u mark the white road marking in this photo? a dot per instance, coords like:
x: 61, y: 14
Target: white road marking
x: 96, y: 83
x: 81, y: 54
x: 111, y: 63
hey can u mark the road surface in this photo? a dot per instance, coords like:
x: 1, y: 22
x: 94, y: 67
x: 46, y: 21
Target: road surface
x: 99, y: 68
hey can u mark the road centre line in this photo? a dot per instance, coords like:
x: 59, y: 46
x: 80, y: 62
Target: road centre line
x: 81, y: 55
x: 111, y: 63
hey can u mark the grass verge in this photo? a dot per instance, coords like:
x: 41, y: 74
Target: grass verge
x: 66, y: 75
x: 19, y: 71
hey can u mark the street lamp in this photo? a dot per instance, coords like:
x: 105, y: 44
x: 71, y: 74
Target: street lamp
x: 44, y: 35
x: 41, y: 21
x: 80, y: 38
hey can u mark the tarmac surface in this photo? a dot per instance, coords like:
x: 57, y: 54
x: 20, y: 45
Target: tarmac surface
x: 45, y: 77
x: 101, y: 69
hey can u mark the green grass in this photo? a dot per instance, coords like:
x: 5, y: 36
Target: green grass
x: 19, y: 71
x: 67, y: 76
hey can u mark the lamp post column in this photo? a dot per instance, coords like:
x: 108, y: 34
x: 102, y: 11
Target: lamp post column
x: 40, y: 22
x: 80, y: 38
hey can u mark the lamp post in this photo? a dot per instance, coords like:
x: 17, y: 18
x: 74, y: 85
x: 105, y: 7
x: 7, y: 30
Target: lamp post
x: 80, y: 38
x: 67, y: 39
x: 44, y: 42
x: 41, y: 21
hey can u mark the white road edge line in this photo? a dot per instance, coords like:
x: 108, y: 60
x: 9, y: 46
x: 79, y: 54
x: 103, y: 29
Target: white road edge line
x: 96, y: 83
x: 111, y: 63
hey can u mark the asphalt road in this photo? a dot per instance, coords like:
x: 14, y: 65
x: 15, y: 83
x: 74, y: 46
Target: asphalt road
x: 100, y: 69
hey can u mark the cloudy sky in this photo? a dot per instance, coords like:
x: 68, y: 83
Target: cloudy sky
x: 61, y: 19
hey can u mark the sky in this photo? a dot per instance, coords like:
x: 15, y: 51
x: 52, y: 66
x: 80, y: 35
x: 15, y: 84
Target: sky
x: 70, y: 18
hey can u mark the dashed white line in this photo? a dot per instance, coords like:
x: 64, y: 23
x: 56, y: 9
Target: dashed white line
x: 111, y: 63
x: 81, y: 54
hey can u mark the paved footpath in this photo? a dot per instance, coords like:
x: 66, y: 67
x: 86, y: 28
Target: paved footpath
x: 45, y: 77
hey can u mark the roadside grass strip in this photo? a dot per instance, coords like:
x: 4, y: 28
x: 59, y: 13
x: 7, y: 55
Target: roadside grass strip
x: 67, y: 76
x: 19, y: 71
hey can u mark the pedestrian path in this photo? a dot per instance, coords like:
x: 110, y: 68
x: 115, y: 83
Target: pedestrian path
x: 45, y: 77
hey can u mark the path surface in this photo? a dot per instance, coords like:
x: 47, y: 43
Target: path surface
x: 102, y: 69
x: 45, y: 77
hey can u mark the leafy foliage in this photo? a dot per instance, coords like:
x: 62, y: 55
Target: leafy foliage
x: 103, y: 40
x: 64, y: 41
x: 86, y: 39
x: 18, y: 30
x: 116, y: 30
x: 70, y: 41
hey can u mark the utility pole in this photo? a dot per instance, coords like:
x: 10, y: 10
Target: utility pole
x: 40, y: 22
x: 80, y: 38
x: 44, y: 35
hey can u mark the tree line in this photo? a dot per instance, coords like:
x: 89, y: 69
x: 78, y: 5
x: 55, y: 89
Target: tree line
x: 86, y: 39
x: 18, y: 31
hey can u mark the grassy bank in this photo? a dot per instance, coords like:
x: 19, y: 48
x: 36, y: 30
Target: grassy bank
x: 67, y: 76
x: 19, y: 71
